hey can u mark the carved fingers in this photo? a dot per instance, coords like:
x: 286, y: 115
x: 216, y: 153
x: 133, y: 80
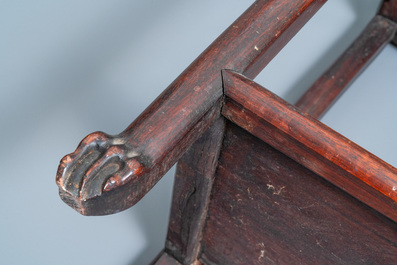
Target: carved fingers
x: 100, y: 164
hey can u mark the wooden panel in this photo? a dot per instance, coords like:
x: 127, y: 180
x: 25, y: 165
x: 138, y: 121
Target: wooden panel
x: 268, y: 209
x: 107, y: 174
x: 193, y: 184
x: 353, y: 61
x: 311, y: 143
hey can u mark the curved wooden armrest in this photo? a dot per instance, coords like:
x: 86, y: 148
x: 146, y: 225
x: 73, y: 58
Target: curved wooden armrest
x: 107, y: 174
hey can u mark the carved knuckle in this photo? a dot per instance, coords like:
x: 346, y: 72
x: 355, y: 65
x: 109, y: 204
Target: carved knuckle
x: 100, y: 163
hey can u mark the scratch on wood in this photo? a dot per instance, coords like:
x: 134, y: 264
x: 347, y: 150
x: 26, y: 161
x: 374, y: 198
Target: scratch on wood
x: 274, y: 189
x: 262, y: 255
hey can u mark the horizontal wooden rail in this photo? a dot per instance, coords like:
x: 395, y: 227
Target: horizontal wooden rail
x: 107, y: 174
x: 379, y: 32
x: 311, y: 143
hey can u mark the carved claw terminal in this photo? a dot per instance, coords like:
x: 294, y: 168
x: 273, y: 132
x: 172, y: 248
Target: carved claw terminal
x: 107, y: 174
x: 88, y: 177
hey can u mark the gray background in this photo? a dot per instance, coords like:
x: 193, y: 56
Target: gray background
x: 68, y: 68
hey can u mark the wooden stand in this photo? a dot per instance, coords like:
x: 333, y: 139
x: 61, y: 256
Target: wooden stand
x: 258, y: 181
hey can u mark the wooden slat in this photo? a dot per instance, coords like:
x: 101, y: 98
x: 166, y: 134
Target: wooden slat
x: 311, y: 143
x: 107, y: 174
x: 193, y: 184
x: 379, y: 32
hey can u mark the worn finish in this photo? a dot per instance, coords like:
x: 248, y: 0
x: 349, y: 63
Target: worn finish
x: 264, y: 208
x: 388, y: 9
x: 165, y: 259
x: 193, y: 183
x: 196, y: 168
x: 268, y: 209
x: 107, y: 174
x: 353, y: 61
x: 107, y: 177
x: 311, y: 143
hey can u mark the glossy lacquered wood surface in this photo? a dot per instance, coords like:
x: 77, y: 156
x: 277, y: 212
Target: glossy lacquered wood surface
x: 268, y: 209
x: 107, y: 174
x: 379, y: 32
x: 311, y: 143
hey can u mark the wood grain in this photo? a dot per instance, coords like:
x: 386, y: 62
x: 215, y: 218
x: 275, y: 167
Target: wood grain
x: 268, y: 209
x: 311, y: 143
x: 193, y: 184
x: 107, y: 174
x: 116, y: 178
x: 195, y: 172
x: 379, y: 32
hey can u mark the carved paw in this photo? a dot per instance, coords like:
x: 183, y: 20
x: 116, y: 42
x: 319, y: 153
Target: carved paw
x: 100, y: 164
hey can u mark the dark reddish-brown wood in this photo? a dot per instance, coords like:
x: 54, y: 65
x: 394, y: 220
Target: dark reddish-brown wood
x: 353, y: 61
x: 107, y: 174
x: 165, y: 259
x: 194, y: 178
x: 281, y: 198
x: 267, y: 209
x: 311, y: 143
x: 389, y: 10
x: 104, y: 175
